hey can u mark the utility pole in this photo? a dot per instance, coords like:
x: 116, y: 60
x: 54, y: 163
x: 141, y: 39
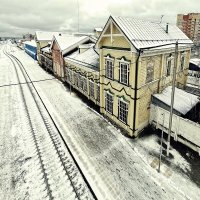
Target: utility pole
x: 172, y: 96
x: 161, y: 142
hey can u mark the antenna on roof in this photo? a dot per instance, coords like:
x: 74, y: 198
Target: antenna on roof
x: 161, y: 18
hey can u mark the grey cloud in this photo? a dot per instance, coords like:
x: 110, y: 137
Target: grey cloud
x: 22, y: 16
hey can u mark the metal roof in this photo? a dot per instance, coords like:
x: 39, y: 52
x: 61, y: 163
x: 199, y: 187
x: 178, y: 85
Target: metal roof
x: 31, y: 43
x: 45, y: 36
x: 88, y: 58
x: 183, y: 101
x: 145, y: 34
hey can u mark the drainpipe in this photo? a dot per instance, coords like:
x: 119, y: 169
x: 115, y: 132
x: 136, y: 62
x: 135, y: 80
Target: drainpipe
x: 136, y: 82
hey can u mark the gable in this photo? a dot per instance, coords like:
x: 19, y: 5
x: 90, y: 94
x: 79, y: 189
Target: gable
x: 113, y: 37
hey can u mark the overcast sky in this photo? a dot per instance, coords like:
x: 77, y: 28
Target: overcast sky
x: 23, y: 16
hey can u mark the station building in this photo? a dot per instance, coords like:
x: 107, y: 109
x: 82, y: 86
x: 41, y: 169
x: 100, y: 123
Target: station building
x: 43, y: 39
x: 131, y: 61
x: 136, y: 60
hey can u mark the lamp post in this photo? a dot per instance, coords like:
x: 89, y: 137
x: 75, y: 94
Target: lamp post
x: 172, y: 97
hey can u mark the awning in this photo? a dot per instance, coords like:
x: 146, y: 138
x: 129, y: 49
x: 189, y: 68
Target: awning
x: 183, y: 101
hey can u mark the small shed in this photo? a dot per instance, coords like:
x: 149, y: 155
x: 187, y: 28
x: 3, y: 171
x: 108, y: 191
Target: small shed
x: 30, y: 48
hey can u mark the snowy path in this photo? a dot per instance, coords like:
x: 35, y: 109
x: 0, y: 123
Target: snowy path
x: 51, y: 172
x: 112, y: 164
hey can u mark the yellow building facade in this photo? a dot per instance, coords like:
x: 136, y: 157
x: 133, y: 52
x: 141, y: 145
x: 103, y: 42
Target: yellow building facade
x: 129, y: 76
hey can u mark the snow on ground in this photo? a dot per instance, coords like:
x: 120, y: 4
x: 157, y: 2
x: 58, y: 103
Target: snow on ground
x: 116, y: 167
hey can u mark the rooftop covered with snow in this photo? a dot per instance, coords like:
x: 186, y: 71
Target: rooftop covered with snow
x: 88, y: 58
x: 67, y: 43
x: 98, y: 29
x: 183, y: 101
x: 145, y: 34
x: 45, y: 36
x: 31, y: 43
x: 195, y: 61
x: 46, y: 49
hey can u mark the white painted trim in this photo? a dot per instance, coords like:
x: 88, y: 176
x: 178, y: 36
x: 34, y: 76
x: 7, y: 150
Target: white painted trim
x: 114, y: 35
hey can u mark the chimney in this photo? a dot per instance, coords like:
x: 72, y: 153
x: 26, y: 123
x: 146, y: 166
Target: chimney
x: 167, y: 28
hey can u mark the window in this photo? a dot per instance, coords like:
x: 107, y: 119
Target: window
x: 98, y: 93
x: 150, y: 72
x: 124, y: 73
x: 168, y: 65
x: 75, y: 79
x: 109, y: 102
x: 81, y: 82
x: 123, y: 111
x: 182, y: 62
x: 69, y: 75
x: 109, y: 68
x: 91, y: 88
x: 84, y: 84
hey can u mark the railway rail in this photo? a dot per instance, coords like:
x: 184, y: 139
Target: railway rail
x: 59, y: 168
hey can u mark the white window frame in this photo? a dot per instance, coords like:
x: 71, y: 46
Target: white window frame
x: 81, y: 82
x: 107, y: 101
x: 69, y: 75
x: 182, y: 61
x: 150, y: 71
x: 169, y: 59
x: 98, y: 92
x: 91, y: 89
x: 85, y: 85
x: 123, y: 112
x: 75, y: 78
x: 109, y: 68
x: 127, y: 64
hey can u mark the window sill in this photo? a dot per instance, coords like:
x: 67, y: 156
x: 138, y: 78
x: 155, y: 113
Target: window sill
x: 109, y: 78
x: 126, y: 84
x: 109, y: 112
x: 122, y: 121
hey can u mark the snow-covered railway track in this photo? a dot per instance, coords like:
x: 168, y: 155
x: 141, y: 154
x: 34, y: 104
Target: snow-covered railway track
x: 61, y: 175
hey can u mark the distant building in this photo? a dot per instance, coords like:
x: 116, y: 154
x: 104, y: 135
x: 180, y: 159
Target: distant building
x: 28, y: 37
x: 190, y: 25
x: 97, y: 32
x: 43, y: 39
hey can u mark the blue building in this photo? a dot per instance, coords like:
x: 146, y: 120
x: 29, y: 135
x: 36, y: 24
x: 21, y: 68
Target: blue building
x: 30, y: 48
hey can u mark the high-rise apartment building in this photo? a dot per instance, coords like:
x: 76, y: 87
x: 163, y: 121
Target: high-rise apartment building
x: 190, y: 25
